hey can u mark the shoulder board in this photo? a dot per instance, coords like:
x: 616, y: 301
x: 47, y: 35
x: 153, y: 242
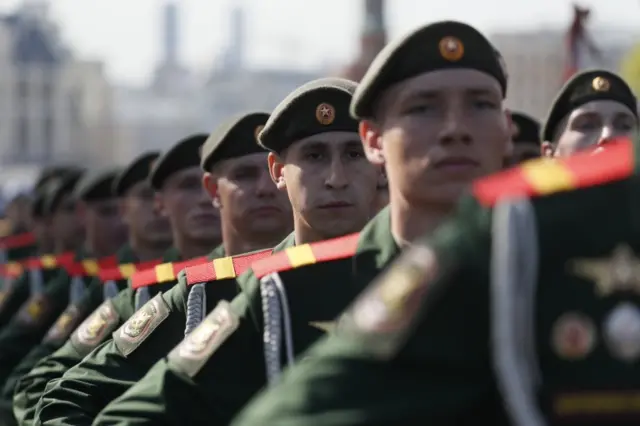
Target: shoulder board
x: 546, y: 176
x: 17, y: 241
x: 90, y: 267
x: 11, y: 270
x: 50, y: 261
x: 162, y: 273
x: 124, y: 271
x: 224, y: 267
x: 307, y: 254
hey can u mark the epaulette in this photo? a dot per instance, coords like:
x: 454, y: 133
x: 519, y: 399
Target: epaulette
x: 50, y: 261
x: 546, y: 176
x: 90, y: 267
x: 11, y: 270
x: 124, y: 271
x: 307, y: 254
x: 224, y: 267
x: 17, y: 241
x: 162, y: 273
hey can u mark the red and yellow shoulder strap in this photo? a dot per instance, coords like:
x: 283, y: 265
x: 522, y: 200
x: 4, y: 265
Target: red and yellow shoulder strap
x: 163, y: 272
x: 11, y: 270
x: 17, y: 241
x: 307, y: 254
x: 224, y: 267
x: 51, y: 261
x: 546, y: 176
x: 90, y: 267
x: 124, y: 271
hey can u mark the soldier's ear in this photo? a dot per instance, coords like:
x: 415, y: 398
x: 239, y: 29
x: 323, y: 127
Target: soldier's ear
x: 546, y: 149
x: 276, y: 170
x: 371, y: 142
x: 210, y: 184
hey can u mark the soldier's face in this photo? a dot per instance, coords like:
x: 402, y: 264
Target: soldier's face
x: 141, y: 216
x: 523, y: 151
x: 188, y: 207
x: 67, y: 228
x: 104, y: 222
x: 593, y: 124
x: 437, y: 132
x: 43, y: 232
x: 248, y: 200
x: 330, y: 183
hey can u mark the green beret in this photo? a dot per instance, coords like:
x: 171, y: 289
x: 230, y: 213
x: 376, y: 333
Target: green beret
x: 96, y: 186
x: 138, y: 171
x: 58, y: 189
x: 235, y: 138
x: 443, y: 45
x: 527, y: 128
x: 318, y: 106
x: 584, y: 87
x: 40, y: 195
x: 182, y: 155
x: 54, y: 172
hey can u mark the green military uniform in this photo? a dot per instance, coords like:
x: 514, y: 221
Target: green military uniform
x: 16, y: 291
x: 37, y: 313
x: 517, y: 310
x: 222, y: 378
x: 90, y: 334
x: 29, y: 388
x: 183, y: 155
x: 129, y: 359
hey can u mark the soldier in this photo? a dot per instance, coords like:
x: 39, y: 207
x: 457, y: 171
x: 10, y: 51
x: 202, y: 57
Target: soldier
x: 99, y: 214
x: 526, y: 139
x: 149, y: 237
x: 64, y: 237
x: 254, y: 215
x: 516, y: 302
x: 431, y: 110
x: 14, y: 289
x: 594, y: 107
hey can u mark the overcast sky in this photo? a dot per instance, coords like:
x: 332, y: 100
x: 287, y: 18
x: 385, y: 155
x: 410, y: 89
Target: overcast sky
x: 127, y: 35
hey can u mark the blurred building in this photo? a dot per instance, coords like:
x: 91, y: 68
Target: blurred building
x: 53, y: 107
x: 234, y: 88
x: 168, y: 109
x: 536, y: 64
x: 373, y: 37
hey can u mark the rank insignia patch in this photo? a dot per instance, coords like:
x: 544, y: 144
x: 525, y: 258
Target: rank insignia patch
x: 96, y: 327
x: 394, y: 300
x: 619, y: 273
x: 64, y: 325
x: 197, y: 347
x: 573, y: 336
x: 451, y: 49
x: 325, y: 114
x: 35, y: 310
x: 141, y: 324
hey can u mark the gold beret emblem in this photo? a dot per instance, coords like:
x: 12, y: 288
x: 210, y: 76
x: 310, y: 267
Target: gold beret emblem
x: 600, y: 84
x: 451, y: 49
x: 325, y: 114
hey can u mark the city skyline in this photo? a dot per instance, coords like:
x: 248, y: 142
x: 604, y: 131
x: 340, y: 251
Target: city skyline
x: 127, y: 35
